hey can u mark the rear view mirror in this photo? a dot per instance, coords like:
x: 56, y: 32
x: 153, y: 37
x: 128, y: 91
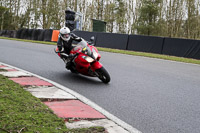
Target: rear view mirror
x: 92, y: 39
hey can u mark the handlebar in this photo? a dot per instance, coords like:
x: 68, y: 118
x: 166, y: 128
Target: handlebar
x: 58, y: 51
x: 90, y: 43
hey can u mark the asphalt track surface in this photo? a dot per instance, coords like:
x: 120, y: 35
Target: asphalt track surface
x: 152, y: 95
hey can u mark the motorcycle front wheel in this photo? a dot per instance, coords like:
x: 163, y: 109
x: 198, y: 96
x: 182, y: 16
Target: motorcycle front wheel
x: 103, y: 75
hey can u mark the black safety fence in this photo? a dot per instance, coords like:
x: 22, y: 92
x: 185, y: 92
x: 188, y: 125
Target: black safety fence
x: 86, y: 35
x: 8, y: 33
x: 18, y: 35
x: 48, y: 35
x: 161, y: 45
x: 34, y: 34
x: 3, y: 33
x: 24, y: 34
x: 107, y: 40
x: 148, y: 44
x: 182, y: 47
x: 29, y: 34
x: 40, y: 35
x: 110, y: 40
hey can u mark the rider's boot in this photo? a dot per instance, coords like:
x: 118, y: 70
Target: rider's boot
x: 69, y: 61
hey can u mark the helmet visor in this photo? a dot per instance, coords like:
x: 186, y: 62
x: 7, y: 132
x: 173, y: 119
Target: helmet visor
x: 65, y: 35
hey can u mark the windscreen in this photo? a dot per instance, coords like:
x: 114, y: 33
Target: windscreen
x: 85, y: 49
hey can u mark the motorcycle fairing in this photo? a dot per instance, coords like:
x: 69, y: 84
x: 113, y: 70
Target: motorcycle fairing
x: 96, y: 65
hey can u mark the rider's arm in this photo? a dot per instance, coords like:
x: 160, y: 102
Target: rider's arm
x: 75, y: 37
x: 59, y: 43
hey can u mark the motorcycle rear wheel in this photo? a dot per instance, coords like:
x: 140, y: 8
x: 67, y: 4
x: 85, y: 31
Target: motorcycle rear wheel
x: 103, y: 75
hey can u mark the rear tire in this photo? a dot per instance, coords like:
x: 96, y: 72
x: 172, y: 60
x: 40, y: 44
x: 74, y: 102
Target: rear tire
x: 103, y: 75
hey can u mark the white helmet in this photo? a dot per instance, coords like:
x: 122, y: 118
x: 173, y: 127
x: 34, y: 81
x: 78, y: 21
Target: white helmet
x: 65, y: 33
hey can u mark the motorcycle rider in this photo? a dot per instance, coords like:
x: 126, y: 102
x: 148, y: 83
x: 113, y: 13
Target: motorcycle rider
x: 65, y: 39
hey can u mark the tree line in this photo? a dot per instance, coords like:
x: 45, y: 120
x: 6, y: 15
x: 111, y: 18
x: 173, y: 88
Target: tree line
x: 169, y: 18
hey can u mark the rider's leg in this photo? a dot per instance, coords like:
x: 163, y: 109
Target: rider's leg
x: 69, y: 61
x: 70, y: 58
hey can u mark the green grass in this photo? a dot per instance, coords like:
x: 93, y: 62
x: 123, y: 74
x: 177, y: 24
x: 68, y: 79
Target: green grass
x: 22, y: 112
x: 151, y: 55
x: 3, y: 70
x: 89, y: 130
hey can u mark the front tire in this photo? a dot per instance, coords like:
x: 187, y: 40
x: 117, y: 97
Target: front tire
x: 103, y: 75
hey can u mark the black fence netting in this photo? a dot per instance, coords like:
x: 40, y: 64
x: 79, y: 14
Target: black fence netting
x: 41, y: 34
x: 18, y: 34
x: 13, y: 33
x: 145, y: 43
x: 4, y: 33
x: 7, y: 33
x: 1, y: 32
x: 48, y: 34
x: 85, y: 35
x: 29, y: 34
x: 182, y: 47
x: 109, y: 40
x: 34, y: 35
x: 24, y: 34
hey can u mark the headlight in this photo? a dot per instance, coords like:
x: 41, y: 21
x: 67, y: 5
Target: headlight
x: 88, y: 59
x: 95, y: 53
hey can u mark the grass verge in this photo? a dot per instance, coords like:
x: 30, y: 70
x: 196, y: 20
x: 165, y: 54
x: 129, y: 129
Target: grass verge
x: 151, y: 55
x: 22, y: 112
x: 3, y: 70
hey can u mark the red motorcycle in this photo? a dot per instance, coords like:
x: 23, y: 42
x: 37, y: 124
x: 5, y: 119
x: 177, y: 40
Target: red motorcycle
x: 86, y: 61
